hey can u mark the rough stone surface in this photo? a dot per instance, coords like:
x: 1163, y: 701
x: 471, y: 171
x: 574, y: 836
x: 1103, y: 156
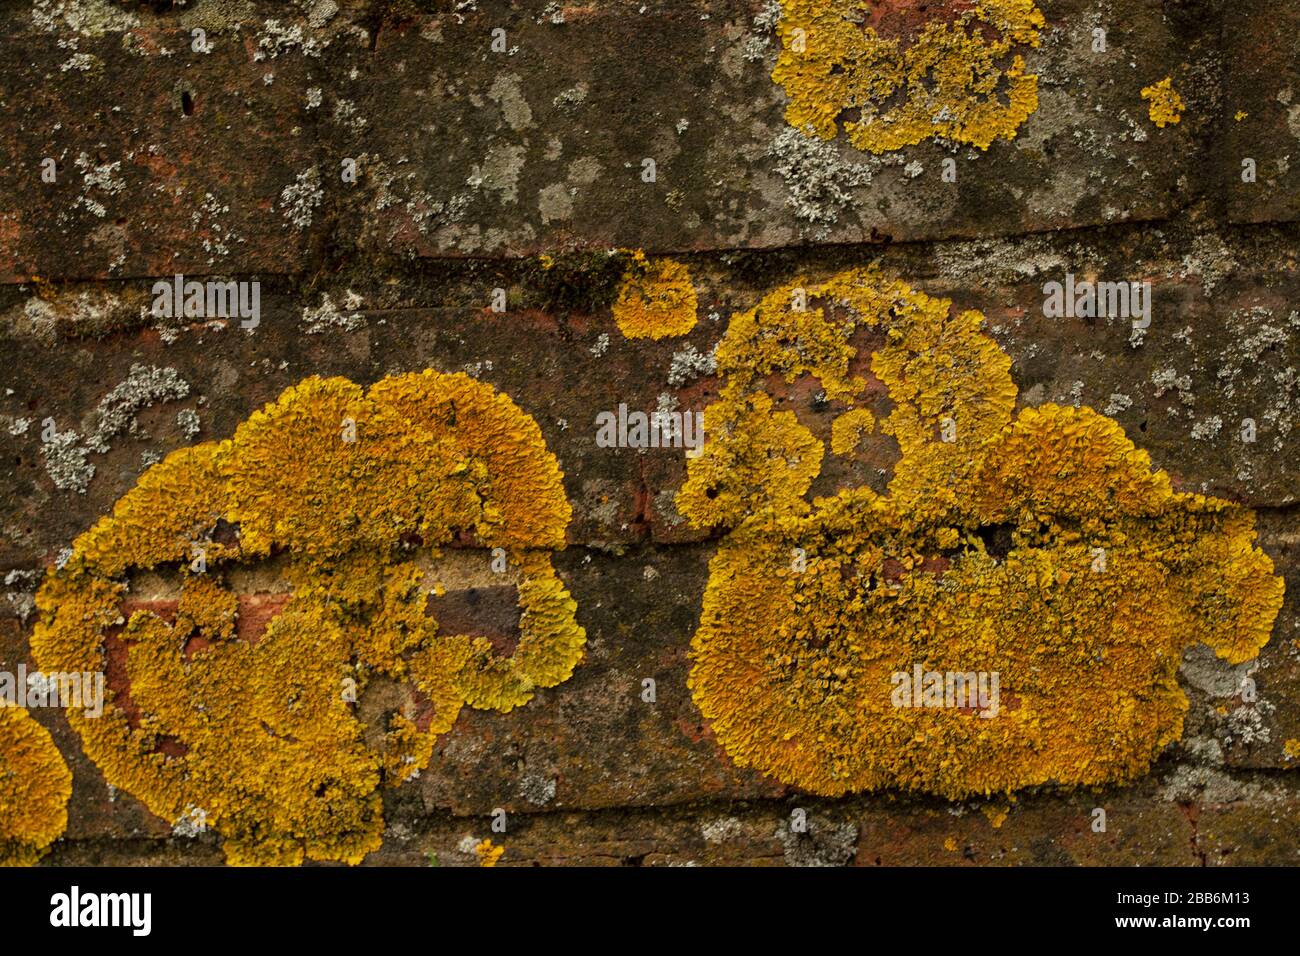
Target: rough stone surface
x: 473, y: 164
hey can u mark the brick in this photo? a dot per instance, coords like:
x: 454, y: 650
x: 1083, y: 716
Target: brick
x: 1262, y: 84
x: 166, y: 163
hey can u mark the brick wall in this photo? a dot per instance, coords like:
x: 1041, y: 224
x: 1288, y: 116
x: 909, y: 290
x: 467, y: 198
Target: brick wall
x: 473, y: 164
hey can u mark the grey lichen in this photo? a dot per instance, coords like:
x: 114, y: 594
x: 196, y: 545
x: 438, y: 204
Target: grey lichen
x: 65, y: 452
x: 329, y: 317
x: 276, y: 38
x: 299, y: 200
x: 817, y: 177
x: 690, y: 363
x: 143, y: 386
x: 65, y: 462
x: 537, y: 789
x: 720, y: 829
x: 758, y: 44
x: 822, y: 843
x: 81, y: 17
x: 187, y: 420
x: 20, y: 591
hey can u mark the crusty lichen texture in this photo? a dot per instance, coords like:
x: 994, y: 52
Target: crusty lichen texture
x: 322, y: 505
x: 488, y: 853
x: 35, y: 785
x: 656, y: 299
x: 961, y: 79
x: 1040, y: 546
x: 1165, y: 107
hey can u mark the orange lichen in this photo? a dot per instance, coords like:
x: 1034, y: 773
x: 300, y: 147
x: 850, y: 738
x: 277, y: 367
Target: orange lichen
x: 488, y: 853
x: 850, y: 429
x: 996, y: 813
x: 963, y: 80
x: 280, y: 740
x: 1040, y: 548
x: 1166, y: 106
x: 35, y: 785
x: 656, y: 299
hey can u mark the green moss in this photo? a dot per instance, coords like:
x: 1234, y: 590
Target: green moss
x: 583, y: 282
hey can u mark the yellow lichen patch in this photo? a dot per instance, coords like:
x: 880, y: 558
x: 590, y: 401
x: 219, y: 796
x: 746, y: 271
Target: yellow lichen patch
x: 275, y: 716
x: 849, y: 429
x: 656, y: 299
x: 963, y: 80
x: 997, y: 814
x: 1291, y: 749
x: 1165, y: 106
x: 35, y: 785
x: 488, y: 853
x: 550, y: 644
x: 1039, y: 548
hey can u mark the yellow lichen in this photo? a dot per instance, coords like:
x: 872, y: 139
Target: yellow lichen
x: 488, y: 853
x: 849, y: 429
x: 273, y: 736
x: 35, y: 785
x: 656, y: 299
x: 1040, y: 547
x: 963, y: 80
x: 1291, y: 749
x: 1165, y: 105
x: 996, y: 813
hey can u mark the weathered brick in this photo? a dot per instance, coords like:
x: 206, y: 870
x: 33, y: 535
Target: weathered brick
x: 472, y: 164
x: 1260, y: 119
x: 526, y: 151
x: 168, y: 161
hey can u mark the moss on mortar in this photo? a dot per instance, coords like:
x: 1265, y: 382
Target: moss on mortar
x: 583, y: 281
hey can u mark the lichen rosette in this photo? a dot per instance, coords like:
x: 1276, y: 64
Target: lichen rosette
x: 35, y: 785
x: 1040, y: 546
x: 656, y: 299
x: 961, y: 77
x: 257, y: 721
